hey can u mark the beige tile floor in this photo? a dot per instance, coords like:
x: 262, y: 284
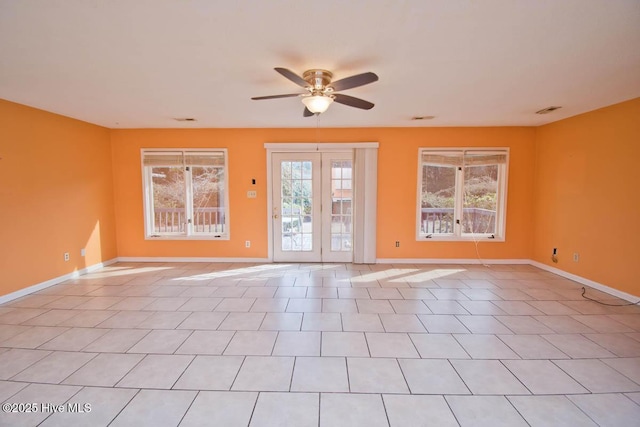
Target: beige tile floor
x: 319, y: 345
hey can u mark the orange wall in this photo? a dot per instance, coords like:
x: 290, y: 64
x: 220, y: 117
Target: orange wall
x: 587, y: 195
x: 397, y: 181
x: 62, y: 180
x: 56, y: 192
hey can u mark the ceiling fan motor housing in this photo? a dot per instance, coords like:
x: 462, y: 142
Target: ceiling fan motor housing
x: 318, y: 79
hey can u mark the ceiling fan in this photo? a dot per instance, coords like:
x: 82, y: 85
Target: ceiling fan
x: 321, y: 92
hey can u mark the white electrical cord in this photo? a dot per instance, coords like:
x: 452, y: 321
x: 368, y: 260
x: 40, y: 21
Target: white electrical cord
x: 606, y: 303
x: 473, y: 231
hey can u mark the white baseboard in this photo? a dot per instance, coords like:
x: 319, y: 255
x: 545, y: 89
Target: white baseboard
x: 190, y: 259
x: 450, y: 261
x: 43, y: 285
x: 586, y: 282
x: 561, y: 273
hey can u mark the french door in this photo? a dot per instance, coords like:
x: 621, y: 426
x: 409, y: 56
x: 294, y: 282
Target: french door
x: 312, y: 207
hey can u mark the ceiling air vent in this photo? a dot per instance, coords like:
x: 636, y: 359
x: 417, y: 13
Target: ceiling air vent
x: 547, y: 110
x: 184, y: 119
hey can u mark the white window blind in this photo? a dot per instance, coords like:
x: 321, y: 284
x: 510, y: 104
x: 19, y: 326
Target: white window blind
x: 478, y: 158
x: 162, y: 159
x: 443, y: 158
x: 204, y: 159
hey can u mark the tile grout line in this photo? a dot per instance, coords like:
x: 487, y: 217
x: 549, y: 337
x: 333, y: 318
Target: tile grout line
x: 506, y: 397
x: 444, y: 397
x: 461, y: 378
x: 193, y: 358
x: 189, y: 407
x: 517, y: 377
x: 384, y: 406
x: 125, y: 406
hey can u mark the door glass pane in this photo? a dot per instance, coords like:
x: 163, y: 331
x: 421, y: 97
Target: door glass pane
x: 335, y: 242
x: 480, y: 199
x: 287, y: 241
x: 296, y: 170
x: 287, y: 189
x: 438, y: 192
x: 307, y: 242
x: 341, y: 199
x: 168, y: 188
x: 296, y: 205
x: 306, y: 170
x: 208, y: 199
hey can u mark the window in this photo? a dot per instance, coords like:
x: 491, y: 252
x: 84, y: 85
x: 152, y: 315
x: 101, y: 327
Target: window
x: 462, y: 194
x: 185, y: 194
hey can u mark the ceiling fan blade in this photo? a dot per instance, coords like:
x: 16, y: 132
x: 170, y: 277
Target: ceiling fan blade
x: 352, y: 101
x: 307, y: 112
x: 289, y: 95
x: 354, y: 81
x: 292, y: 76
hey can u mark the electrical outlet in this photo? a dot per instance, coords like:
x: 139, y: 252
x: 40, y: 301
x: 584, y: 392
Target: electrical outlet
x: 66, y: 256
x: 252, y: 194
x: 247, y: 243
x: 576, y: 257
x: 397, y: 243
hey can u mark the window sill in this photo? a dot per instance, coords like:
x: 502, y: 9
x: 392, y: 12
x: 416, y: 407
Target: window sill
x: 481, y: 238
x: 182, y: 237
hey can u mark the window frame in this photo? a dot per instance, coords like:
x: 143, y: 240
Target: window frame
x: 147, y: 196
x: 501, y: 206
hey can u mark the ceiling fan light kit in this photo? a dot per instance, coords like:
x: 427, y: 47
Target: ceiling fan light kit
x: 320, y: 90
x: 317, y: 103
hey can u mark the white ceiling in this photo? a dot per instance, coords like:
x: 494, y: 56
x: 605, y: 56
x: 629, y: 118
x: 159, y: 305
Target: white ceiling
x: 141, y: 63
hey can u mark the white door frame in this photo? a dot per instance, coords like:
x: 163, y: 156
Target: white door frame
x: 313, y: 147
